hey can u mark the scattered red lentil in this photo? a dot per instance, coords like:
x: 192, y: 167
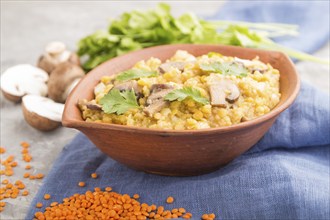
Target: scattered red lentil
x: 94, y: 175
x: 103, y: 205
x: 27, y: 157
x: 81, y: 184
x: 9, y: 172
x: 39, y: 176
x: 9, y: 186
x: 170, y: 200
x: 26, y: 175
x: 97, y: 189
x: 108, y: 189
x: 39, y: 205
x: 32, y: 177
x: 136, y: 196
x: 18, y: 182
x: 25, y: 193
x: 208, y: 216
x: 21, y: 186
x: 25, y: 144
x: 25, y: 151
x: 46, y: 196
x: 187, y: 215
x: 2, y: 150
x: 53, y: 204
x: 5, y: 181
x: 27, y: 167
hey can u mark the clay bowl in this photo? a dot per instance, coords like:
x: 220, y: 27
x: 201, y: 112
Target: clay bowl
x: 178, y: 153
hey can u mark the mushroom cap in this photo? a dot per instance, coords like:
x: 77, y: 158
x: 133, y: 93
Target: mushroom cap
x: 56, y: 53
x: 42, y: 113
x: 10, y: 97
x: 23, y: 79
x: 55, y: 47
x: 60, y: 80
x: 48, y: 62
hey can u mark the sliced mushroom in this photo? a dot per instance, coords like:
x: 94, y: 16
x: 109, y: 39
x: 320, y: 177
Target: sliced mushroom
x: 56, y: 53
x: 245, y: 118
x: 159, y: 87
x: 251, y: 65
x: 223, y: 91
x: 259, y: 70
x: 129, y: 85
x: 99, y: 88
x: 62, y: 80
x: 155, y: 101
x: 166, y: 67
x: 92, y: 105
x: 42, y: 113
x: 23, y: 79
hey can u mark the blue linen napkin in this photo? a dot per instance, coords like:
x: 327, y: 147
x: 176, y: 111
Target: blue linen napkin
x: 312, y: 17
x: 284, y: 176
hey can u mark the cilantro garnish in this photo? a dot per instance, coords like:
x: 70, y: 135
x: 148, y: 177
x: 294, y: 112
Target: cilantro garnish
x: 226, y: 68
x: 119, y: 102
x: 181, y: 94
x: 135, y: 74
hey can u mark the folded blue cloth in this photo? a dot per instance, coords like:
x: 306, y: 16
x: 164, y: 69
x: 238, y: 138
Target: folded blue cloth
x: 284, y: 176
x: 312, y: 17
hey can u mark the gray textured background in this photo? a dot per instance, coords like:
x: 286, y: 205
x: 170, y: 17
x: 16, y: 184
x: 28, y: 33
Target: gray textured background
x: 26, y: 27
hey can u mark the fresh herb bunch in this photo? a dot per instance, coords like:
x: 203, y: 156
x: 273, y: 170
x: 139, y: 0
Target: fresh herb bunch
x: 136, y: 30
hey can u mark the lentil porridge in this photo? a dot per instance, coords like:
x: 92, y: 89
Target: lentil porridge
x: 185, y: 92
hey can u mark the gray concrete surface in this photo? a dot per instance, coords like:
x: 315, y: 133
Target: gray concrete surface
x: 26, y: 27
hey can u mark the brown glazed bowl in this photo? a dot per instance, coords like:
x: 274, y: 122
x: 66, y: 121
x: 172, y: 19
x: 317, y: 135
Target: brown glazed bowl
x: 170, y: 152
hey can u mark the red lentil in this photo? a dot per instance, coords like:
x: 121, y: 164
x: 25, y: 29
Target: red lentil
x: 102, y: 205
x: 2, y: 150
x: 94, y: 175
x: 47, y: 196
x: 170, y: 200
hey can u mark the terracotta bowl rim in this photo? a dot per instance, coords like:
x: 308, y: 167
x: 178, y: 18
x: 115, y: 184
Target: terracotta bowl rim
x: 74, y: 123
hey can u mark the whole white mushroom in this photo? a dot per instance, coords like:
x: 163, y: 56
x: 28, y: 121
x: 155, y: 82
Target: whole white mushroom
x: 55, y: 54
x: 42, y: 113
x: 23, y: 79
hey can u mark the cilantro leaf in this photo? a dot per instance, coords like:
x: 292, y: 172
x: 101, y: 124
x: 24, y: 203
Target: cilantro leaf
x: 135, y: 74
x: 119, y: 102
x: 226, y: 68
x: 181, y: 94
